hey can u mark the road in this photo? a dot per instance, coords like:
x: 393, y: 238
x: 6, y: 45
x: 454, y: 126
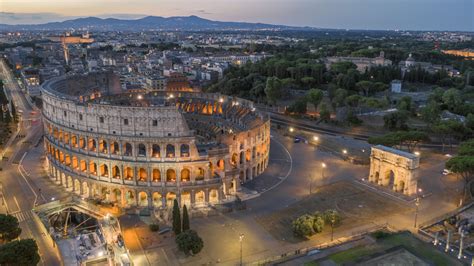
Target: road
x: 19, y: 191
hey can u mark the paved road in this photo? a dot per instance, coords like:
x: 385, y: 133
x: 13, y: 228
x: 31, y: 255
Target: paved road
x: 19, y: 192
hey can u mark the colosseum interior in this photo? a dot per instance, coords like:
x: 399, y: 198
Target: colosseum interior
x: 145, y: 149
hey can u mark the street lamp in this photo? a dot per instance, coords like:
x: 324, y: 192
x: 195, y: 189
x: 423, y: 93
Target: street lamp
x: 315, y: 138
x: 417, y: 203
x: 292, y: 129
x: 332, y: 227
x: 344, y: 151
x: 241, y: 237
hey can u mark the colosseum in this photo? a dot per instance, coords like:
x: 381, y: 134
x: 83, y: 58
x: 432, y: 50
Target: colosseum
x: 145, y: 149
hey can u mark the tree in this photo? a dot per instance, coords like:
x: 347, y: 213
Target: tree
x: 324, y: 113
x: 176, y: 218
x: 408, y: 139
x: 9, y: 227
x: 315, y: 96
x: 185, y: 218
x: 303, y: 226
x: 365, y: 87
x: 298, y: 107
x: 331, y: 217
x: 189, y: 242
x: 466, y: 148
x: 273, y: 89
x: 405, y: 104
x: 464, y: 167
x: 452, y: 98
x: 396, y: 120
x: 318, y: 223
x: 339, y: 97
x: 431, y: 113
x: 20, y: 252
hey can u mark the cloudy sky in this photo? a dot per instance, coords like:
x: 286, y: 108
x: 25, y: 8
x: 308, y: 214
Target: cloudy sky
x: 352, y: 14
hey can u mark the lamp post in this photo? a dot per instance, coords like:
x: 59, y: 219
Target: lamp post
x: 323, y: 166
x: 241, y: 237
x: 332, y: 228
x: 417, y: 203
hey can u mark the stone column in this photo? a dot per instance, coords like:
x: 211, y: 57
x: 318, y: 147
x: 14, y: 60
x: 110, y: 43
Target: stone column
x: 150, y: 199
x: 123, y: 201
x: 163, y: 201
x: 206, y: 195
x: 447, y: 241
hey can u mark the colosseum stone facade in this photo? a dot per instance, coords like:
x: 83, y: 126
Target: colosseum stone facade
x: 138, y: 149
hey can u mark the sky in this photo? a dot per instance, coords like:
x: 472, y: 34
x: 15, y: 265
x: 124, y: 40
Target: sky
x: 341, y: 14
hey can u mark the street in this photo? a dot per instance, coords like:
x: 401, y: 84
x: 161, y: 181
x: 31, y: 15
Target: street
x: 19, y: 192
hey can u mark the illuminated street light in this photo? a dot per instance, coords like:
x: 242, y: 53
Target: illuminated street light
x: 315, y: 138
x: 221, y: 100
x: 52, y: 198
x: 344, y: 151
x: 139, y: 97
x: 241, y: 238
x: 292, y: 129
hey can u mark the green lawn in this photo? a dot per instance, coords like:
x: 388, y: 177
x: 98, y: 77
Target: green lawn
x: 405, y: 239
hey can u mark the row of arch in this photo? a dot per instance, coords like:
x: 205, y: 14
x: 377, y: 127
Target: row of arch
x: 126, y: 197
x: 115, y: 148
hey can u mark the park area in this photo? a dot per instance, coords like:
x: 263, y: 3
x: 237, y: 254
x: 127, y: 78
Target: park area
x: 357, y: 207
x: 392, y: 248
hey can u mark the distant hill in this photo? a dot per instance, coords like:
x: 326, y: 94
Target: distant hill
x: 147, y: 23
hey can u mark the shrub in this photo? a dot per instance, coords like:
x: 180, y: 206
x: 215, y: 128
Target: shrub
x: 154, y: 227
x: 189, y: 242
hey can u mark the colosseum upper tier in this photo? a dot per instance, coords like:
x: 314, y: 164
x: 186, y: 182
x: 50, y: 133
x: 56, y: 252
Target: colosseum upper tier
x: 145, y: 149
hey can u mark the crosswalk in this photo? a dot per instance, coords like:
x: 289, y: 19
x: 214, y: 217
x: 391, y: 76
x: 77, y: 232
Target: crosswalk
x: 23, y: 215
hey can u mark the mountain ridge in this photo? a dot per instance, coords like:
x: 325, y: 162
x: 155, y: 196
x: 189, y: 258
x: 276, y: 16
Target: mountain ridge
x: 147, y: 23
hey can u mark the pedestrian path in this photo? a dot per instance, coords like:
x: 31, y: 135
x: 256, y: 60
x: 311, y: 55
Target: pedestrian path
x: 23, y: 215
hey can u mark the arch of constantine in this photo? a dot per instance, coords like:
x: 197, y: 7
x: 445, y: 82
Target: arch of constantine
x: 145, y: 149
x: 394, y: 168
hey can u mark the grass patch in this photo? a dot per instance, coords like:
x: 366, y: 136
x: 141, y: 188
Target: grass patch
x: 421, y: 249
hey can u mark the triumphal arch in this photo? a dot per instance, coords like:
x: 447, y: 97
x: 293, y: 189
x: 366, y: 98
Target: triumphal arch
x: 394, y: 168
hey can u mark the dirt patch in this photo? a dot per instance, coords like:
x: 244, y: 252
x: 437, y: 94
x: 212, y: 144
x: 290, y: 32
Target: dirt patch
x: 356, y: 205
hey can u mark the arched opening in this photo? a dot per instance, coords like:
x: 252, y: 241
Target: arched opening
x: 170, y: 197
x: 92, y: 168
x: 242, y: 157
x: 377, y: 177
x: 92, y: 145
x: 130, y: 197
x: 200, y: 197
x: 233, y: 160
x: 199, y: 174
x: 254, y: 151
x: 77, y: 187
x: 389, y: 178
x: 103, y: 146
x: 116, y: 172
x: 241, y: 176
x: 104, y: 170
x: 184, y: 150
x: 82, y: 142
x: 127, y: 149
x: 248, y: 155
x: 401, y: 186
x: 85, y: 189
x: 156, y: 175
x: 221, y: 165
x: 170, y: 175
x: 142, y: 175
x: 83, y: 166
x: 128, y: 173
x: 185, y: 175
x: 157, y: 199
x: 75, y: 162
x: 170, y: 153
x: 141, y: 150
x: 186, y: 198
x: 155, y: 151
x: 68, y: 160
x: 66, y: 138
x: 116, y: 195
x: 115, y: 148
x: 105, y: 194
x: 213, y: 196
x: 70, y: 183
x: 74, y: 142
x: 142, y: 199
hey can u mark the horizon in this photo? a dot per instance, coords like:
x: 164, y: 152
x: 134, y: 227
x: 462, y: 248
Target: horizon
x: 419, y: 15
